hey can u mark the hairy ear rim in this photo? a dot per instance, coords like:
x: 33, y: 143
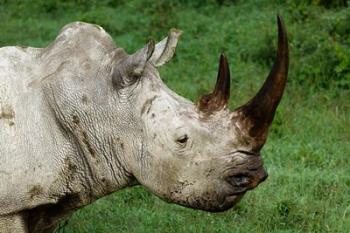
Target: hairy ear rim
x: 165, y: 49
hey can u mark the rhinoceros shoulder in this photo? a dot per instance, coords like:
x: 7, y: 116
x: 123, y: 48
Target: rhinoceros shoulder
x: 33, y: 150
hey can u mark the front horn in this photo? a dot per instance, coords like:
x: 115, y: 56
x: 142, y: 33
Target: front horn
x: 255, y: 117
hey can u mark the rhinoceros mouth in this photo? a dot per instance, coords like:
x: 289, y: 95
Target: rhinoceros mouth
x: 229, y: 201
x: 252, y: 153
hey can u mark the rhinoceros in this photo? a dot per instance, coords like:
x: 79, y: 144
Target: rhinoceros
x: 81, y: 119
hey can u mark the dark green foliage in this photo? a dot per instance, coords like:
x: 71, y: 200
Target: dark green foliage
x: 324, y: 3
x: 308, y: 151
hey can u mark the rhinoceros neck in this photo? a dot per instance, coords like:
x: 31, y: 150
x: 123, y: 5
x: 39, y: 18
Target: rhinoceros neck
x: 76, y: 68
x: 103, y: 134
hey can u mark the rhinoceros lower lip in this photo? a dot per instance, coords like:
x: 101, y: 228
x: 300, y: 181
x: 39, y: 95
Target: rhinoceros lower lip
x: 237, y: 193
x: 234, y: 198
x: 228, y: 201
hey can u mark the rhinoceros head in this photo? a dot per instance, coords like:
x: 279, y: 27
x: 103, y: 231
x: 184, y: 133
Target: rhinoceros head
x: 200, y: 155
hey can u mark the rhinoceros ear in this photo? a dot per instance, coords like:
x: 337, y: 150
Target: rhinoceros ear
x: 130, y: 69
x: 165, y: 49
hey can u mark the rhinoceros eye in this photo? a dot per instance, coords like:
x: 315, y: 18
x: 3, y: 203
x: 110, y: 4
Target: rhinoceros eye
x: 183, y: 139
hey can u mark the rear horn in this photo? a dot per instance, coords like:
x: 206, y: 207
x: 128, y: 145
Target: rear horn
x: 219, y: 98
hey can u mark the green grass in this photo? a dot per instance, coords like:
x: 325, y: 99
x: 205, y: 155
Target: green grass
x: 308, y: 151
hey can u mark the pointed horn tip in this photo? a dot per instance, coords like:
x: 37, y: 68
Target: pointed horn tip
x: 280, y: 20
x: 279, y: 17
x: 223, y: 59
x: 224, y: 64
x: 282, y: 37
x: 280, y: 24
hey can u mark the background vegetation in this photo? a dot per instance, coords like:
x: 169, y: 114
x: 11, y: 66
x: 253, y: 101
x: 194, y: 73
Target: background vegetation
x: 308, y: 151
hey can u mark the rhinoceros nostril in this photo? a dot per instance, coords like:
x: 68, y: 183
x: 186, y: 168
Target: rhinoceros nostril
x: 240, y: 180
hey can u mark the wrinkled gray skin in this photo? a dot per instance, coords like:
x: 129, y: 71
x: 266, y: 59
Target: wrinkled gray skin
x: 81, y: 119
